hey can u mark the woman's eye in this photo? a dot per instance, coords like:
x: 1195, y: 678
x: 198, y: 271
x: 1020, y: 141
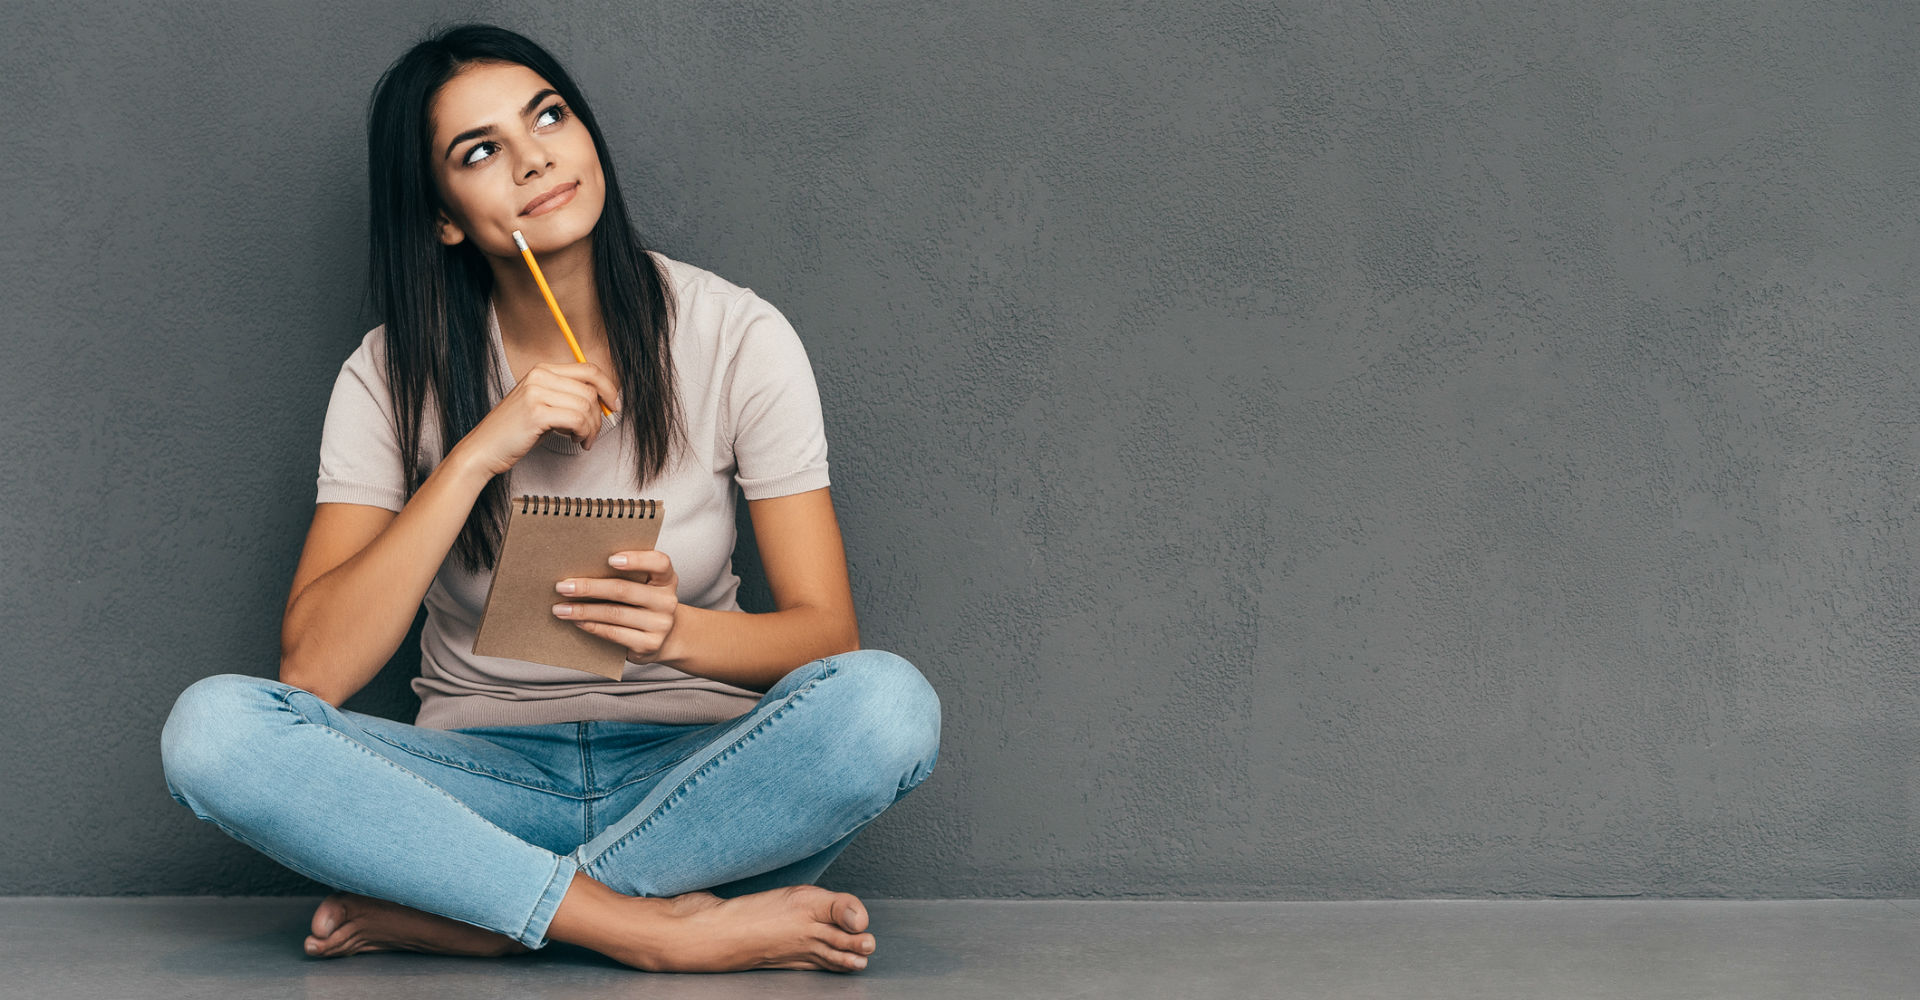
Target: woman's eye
x: 558, y: 112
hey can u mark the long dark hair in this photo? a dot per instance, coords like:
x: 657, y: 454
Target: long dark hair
x: 434, y: 298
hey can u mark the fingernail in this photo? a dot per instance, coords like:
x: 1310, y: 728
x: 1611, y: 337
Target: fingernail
x: 564, y: 586
x: 563, y: 610
x: 867, y: 946
x: 859, y: 962
x: 618, y: 560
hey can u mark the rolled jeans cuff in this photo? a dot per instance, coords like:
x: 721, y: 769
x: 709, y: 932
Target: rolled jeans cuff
x: 534, y: 934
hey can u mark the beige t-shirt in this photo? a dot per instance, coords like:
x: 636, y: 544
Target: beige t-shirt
x: 753, y: 417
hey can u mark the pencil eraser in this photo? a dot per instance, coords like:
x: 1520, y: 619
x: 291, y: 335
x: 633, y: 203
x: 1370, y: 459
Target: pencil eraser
x: 519, y: 240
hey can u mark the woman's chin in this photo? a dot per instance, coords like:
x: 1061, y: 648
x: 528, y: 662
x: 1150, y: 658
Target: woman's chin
x: 547, y: 234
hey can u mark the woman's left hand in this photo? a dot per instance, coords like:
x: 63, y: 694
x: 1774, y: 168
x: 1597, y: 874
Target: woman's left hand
x: 637, y: 615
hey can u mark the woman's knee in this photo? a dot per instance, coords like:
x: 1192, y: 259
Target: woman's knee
x: 210, y: 720
x: 892, y: 707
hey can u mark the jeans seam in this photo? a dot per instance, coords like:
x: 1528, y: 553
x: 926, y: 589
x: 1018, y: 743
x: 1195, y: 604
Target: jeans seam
x: 586, y: 777
x: 717, y: 758
x: 664, y: 767
x: 464, y: 766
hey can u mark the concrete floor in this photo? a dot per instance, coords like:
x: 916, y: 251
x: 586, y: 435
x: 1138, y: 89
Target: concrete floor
x: 236, y: 948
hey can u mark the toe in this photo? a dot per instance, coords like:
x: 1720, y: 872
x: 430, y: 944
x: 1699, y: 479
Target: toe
x: 323, y: 947
x: 857, y: 944
x: 841, y: 961
x: 327, y: 917
x: 341, y: 940
x: 848, y: 913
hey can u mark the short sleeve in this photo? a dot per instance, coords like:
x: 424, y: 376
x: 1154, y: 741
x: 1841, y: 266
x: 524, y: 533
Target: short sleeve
x: 773, y: 406
x: 360, y: 444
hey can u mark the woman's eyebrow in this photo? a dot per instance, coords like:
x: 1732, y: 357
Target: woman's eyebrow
x: 475, y: 133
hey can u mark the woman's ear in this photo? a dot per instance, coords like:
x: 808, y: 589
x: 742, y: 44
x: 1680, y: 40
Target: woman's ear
x: 450, y: 233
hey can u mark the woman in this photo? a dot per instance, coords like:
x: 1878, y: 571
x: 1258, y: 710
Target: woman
x: 739, y: 753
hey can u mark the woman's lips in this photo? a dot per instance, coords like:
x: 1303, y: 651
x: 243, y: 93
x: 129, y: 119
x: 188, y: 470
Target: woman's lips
x: 551, y: 200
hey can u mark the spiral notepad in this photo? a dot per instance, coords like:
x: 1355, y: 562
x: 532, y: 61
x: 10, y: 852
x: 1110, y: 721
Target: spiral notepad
x: 549, y: 539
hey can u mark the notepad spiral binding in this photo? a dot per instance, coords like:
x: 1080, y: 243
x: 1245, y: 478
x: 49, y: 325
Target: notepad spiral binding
x: 588, y: 507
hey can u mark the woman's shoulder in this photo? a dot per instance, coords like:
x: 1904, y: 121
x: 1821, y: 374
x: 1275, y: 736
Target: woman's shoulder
x: 720, y: 324
x: 367, y: 362
x: 704, y: 297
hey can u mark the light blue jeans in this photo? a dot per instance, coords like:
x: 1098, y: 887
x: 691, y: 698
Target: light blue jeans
x: 487, y: 825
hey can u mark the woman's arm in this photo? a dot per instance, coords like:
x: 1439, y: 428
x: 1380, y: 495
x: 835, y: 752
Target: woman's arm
x: 365, y: 569
x: 362, y: 575
x: 806, y: 563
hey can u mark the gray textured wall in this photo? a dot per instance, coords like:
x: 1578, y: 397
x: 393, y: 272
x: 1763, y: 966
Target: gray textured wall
x: 1317, y: 451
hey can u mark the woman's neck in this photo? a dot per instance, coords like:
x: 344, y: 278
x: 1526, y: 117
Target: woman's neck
x: 526, y: 324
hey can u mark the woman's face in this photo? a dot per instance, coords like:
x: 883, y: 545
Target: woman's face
x: 501, y: 140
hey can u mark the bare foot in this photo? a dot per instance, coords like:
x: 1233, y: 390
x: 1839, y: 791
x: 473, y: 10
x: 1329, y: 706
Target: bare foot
x: 347, y: 923
x: 796, y: 927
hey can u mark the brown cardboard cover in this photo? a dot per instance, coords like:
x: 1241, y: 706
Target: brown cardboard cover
x: 549, y: 539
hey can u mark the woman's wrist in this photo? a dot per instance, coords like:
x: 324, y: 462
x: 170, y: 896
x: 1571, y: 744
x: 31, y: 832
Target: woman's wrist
x: 460, y: 467
x: 752, y: 649
x: 673, y: 651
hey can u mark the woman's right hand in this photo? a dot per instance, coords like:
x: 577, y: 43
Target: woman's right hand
x: 563, y: 398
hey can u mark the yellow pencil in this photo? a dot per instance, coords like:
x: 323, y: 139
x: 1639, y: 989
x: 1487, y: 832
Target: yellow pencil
x: 541, y: 280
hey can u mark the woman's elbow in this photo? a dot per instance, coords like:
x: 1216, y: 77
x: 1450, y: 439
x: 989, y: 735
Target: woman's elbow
x: 847, y: 639
x: 295, y: 671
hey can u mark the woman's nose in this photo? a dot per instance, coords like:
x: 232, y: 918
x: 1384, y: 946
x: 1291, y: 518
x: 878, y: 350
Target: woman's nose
x: 534, y: 159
